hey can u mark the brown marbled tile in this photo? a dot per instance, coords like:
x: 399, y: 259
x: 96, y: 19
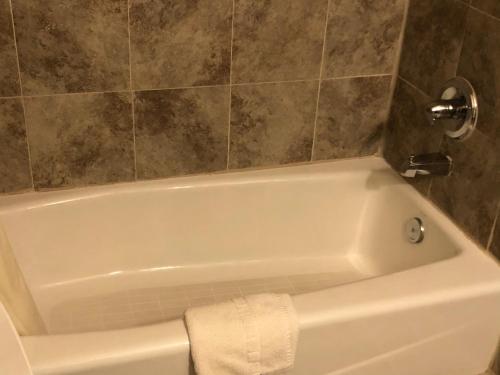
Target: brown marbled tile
x: 480, y: 64
x: 14, y: 160
x: 181, y: 131
x: 272, y: 124
x: 80, y: 139
x: 72, y: 45
x: 408, y: 131
x: 495, y: 249
x: 432, y: 43
x: 351, y: 117
x: 9, y: 77
x: 491, y: 7
x: 362, y: 37
x: 180, y: 42
x: 471, y: 193
x: 277, y: 40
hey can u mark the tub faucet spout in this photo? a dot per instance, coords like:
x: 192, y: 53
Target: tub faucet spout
x: 435, y: 164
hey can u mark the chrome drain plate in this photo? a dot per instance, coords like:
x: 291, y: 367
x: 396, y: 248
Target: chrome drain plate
x: 414, y: 229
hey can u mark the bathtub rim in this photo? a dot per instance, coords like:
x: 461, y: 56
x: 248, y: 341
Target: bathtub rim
x: 301, y: 171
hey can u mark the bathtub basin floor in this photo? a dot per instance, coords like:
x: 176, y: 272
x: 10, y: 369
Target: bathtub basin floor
x: 137, y: 307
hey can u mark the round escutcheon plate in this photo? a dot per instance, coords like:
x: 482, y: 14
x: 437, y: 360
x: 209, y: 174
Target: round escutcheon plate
x: 459, y: 87
x: 414, y: 229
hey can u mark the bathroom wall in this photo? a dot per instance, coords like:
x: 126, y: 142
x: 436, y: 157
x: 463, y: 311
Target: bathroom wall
x: 444, y: 39
x: 97, y: 92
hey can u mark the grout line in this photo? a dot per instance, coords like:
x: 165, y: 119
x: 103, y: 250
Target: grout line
x: 190, y: 87
x: 16, y: 50
x: 132, y: 102
x: 271, y: 82
x: 10, y: 97
x: 462, y: 39
x: 230, y: 90
x: 75, y: 93
x: 395, y: 71
x: 492, y: 232
x: 132, y: 96
x: 30, y: 164
x: 357, y: 76
x: 413, y: 86
x: 180, y: 88
x: 484, y: 13
x: 325, y: 29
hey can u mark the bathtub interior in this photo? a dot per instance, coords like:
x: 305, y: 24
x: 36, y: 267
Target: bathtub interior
x: 139, y: 254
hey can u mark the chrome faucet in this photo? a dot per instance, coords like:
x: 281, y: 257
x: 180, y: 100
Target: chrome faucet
x: 435, y: 164
x: 456, y: 109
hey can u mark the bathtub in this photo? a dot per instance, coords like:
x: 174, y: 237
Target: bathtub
x: 112, y: 268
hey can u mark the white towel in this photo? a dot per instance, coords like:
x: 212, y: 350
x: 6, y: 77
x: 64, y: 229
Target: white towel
x: 252, y: 335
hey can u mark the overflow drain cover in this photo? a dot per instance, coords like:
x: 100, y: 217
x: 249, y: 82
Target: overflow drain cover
x: 414, y: 229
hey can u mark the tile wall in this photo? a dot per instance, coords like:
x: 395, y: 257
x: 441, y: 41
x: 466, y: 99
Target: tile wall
x: 97, y: 92
x: 444, y: 39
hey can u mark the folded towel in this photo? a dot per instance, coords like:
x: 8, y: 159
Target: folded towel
x: 252, y: 335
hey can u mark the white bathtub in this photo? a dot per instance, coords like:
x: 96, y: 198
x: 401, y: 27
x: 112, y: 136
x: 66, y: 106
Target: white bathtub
x: 385, y: 307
